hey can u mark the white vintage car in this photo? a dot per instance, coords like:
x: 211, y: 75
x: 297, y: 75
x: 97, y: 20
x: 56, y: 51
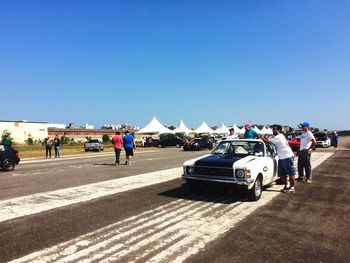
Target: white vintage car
x: 249, y: 164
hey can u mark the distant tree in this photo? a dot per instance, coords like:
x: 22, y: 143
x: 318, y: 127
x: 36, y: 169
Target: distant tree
x: 105, y: 138
x: 164, y: 136
x: 29, y: 140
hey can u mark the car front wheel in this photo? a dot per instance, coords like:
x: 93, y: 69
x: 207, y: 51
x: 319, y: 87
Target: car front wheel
x: 8, y: 164
x: 254, y: 194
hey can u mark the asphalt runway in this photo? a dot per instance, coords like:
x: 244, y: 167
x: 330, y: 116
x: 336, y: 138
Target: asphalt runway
x: 88, y: 210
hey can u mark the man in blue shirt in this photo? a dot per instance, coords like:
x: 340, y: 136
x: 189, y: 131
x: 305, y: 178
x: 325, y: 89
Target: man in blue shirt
x: 128, y: 142
x: 249, y: 133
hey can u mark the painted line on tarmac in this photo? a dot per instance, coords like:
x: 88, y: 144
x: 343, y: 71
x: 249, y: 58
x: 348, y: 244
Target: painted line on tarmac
x: 169, y: 233
x: 40, y: 202
x: 36, y: 203
x: 73, y: 157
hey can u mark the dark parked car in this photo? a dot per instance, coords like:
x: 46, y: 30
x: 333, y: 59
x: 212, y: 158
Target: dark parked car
x: 9, y: 157
x: 198, y: 144
x: 174, y: 141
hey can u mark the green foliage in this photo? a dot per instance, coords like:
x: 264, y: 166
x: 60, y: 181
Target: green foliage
x: 183, y: 136
x: 30, y: 140
x: 105, y: 138
x: 6, y: 134
x: 344, y: 133
x: 66, y: 140
x: 164, y: 136
x: 88, y: 138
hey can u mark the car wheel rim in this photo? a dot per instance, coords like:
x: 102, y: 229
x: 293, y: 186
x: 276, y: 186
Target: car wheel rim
x: 258, y: 187
x: 8, y: 164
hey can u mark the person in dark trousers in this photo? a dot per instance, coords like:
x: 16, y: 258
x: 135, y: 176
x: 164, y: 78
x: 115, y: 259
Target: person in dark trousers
x: 57, y: 144
x: 128, y: 142
x: 117, y: 142
x: 307, y: 144
x: 48, y: 142
x: 335, y: 139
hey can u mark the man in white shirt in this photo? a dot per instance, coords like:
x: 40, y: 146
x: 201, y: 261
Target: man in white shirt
x: 285, y: 158
x: 232, y: 135
x: 307, y: 143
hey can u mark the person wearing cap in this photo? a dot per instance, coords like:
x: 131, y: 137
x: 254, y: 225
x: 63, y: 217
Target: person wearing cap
x: 307, y: 143
x: 285, y: 158
x: 232, y: 135
x: 249, y: 132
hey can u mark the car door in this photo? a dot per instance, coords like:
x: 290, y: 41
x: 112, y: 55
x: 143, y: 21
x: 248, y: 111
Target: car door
x: 271, y: 160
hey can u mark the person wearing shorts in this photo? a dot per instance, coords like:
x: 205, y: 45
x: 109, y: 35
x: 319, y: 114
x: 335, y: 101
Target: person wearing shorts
x: 286, y: 158
x: 128, y: 142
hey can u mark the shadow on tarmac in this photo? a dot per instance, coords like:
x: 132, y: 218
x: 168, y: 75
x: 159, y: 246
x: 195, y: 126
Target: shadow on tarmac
x: 212, y: 193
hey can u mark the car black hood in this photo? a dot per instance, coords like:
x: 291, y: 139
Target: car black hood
x: 217, y: 160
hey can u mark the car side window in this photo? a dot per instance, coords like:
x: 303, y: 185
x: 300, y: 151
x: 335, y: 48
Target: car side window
x: 271, y: 150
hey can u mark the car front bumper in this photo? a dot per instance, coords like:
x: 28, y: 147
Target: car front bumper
x: 219, y: 179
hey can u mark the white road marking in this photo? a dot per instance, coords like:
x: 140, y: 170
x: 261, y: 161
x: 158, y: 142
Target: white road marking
x: 169, y: 233
x: 36, y: 203
x: 74, y: 157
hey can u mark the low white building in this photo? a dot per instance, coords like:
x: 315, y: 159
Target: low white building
x: 21, y: 130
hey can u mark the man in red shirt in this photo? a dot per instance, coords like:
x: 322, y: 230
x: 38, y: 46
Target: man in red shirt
x: 117, y: 141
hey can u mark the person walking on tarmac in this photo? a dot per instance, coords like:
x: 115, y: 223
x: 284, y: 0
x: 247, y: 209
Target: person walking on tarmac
x: 117, y: 142
x: 128, y: 142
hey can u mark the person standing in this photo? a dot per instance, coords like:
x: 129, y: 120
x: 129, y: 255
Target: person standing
x: 48, y: 142
x: 128, y: 142
x: 117, y: 142
x: 7, y: 139
x: 307, y: 143
x: 232, y: 134
x: 285, y: 158
x: 335, y: 139
x: 57, y: 145
x: 249, y: 132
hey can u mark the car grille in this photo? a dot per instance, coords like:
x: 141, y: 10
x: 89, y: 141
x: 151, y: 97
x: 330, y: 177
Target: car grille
x: 215, y: 171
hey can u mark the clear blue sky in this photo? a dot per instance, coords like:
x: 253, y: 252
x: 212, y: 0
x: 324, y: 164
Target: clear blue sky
x: 216, y: 61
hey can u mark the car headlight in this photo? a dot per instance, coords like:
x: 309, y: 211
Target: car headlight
x: 189, y: 170
x: 240, y: 174
x: 196, y: 144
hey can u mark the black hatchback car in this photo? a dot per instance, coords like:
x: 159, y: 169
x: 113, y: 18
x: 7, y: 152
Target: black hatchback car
x: 9, y: 157
x: 198, y: 144
x: 174, y: 141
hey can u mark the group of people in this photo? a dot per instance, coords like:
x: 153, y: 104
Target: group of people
x: 49, y: 143
x: 285, y: 154
x: 126, y: 142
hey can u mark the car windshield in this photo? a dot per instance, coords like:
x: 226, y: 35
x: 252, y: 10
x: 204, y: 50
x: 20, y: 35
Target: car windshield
x: 321, y: 137
x: 93, y: 141
x: 196, y: 140
x: 239, y: 148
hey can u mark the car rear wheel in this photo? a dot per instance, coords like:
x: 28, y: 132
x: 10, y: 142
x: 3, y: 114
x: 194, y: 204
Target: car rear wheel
x: 159, y: 146
x: 254, y: 194
x: 8, y: 164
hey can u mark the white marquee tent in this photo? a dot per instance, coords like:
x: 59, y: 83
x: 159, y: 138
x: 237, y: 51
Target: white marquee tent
x: 222, y: 129
x: 266, y: 130
x: 182, y: 128
x: 257, y: 129
x: 154, y: 127
x: 204, y: 128
x: 238, y: 130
